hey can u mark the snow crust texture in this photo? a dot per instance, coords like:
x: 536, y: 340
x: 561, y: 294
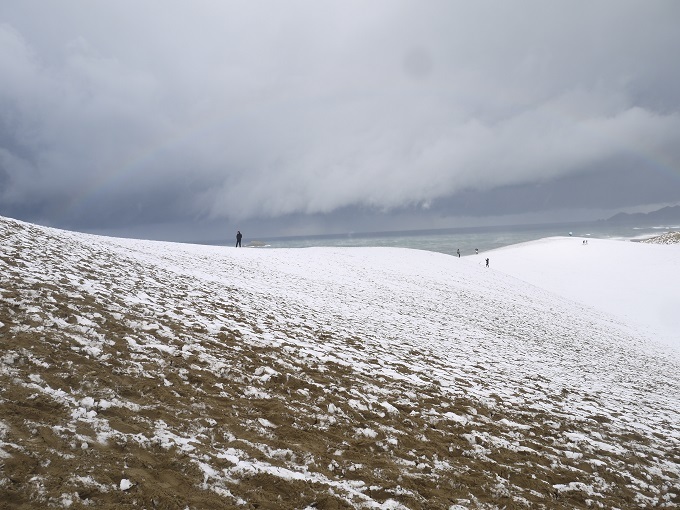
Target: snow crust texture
x: 138, y: 374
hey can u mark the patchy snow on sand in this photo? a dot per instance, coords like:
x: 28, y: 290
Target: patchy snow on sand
x: 373, y: 375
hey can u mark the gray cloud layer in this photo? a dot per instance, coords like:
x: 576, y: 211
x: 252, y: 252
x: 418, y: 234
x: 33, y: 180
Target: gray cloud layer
x: 115, y: 113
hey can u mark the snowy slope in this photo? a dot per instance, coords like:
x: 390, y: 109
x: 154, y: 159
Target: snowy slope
x: 637, y: 282
x: 162, y: 375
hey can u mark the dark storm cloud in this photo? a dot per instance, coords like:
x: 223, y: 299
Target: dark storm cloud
x: 622, y: 185
x: 118, y: 113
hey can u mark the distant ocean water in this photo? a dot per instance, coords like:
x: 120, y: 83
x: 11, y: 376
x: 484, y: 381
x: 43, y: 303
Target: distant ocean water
x: 464, y: 239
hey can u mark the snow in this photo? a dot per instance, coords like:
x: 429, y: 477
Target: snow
x: 635, y: 282
x: 573, y: 330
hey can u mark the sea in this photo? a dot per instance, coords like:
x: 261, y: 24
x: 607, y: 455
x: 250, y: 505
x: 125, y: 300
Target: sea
x: 467, y: 240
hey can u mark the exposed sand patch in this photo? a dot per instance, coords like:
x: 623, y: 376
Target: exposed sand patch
x: 667, y: 238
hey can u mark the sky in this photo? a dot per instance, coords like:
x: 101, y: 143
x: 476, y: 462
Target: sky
x: 189, y: 120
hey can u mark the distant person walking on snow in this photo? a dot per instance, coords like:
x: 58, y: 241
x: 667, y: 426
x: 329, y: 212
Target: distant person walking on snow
x: 458, y: 252
x: 487, y: 262
x: 476, y: 251
x: 239, y: 236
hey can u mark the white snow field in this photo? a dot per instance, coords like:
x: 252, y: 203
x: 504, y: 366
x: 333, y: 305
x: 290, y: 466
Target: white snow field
x: 638, y: 283
x: 159, y: 375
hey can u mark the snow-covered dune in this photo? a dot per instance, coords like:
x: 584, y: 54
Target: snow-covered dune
x: 636, y: 282
x: 138, y: 373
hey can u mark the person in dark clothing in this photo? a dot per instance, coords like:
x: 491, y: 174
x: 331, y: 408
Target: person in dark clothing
x: 239, y: 236
x: 487, y: 262
x: 458, y: 252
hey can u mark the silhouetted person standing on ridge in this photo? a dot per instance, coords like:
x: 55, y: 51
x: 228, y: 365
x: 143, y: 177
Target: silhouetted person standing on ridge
x: 239, y: 236
x: 487, y: 262
x: 458, y: 252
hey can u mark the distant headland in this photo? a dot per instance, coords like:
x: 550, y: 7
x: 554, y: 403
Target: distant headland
x: 665, y: 216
